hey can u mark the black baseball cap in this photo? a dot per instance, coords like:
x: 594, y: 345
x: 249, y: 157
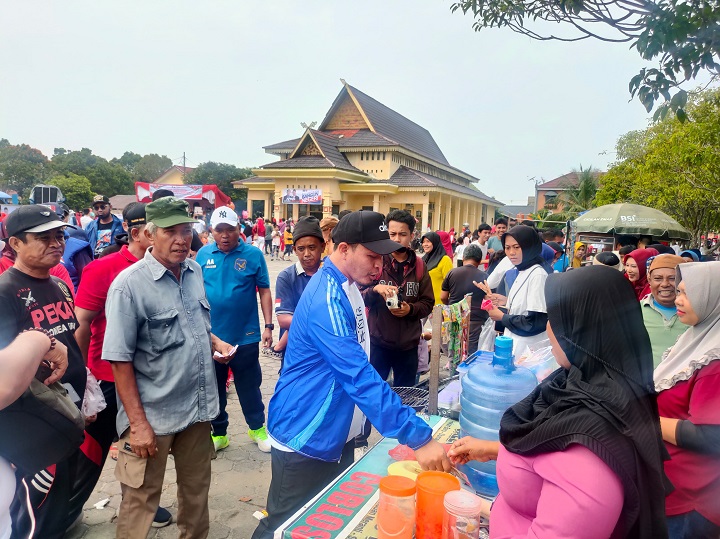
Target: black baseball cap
x: 134, y: 214
x: 367, y: 228
x: 100, y: 199
x: 34, y: 218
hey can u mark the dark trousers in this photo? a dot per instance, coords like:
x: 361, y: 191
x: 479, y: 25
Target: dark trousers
x: 691, y: 525
x: 404, y: 366
x: 403, y: 363
x: 51, y: 500
x: 296, y: 479
x: 248, y: 377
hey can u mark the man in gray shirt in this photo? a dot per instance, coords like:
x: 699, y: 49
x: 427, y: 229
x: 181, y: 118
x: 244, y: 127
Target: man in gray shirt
x: 159, y: 343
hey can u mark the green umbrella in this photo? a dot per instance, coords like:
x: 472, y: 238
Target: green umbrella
x: 631, y: 219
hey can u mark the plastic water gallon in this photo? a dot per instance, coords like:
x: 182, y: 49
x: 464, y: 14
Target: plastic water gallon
x: 488, y: 389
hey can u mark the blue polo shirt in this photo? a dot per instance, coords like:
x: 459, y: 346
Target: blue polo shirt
x: 289, y: 288
x: 230, y: 281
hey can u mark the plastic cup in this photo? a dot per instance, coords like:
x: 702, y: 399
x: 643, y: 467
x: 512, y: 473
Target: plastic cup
x: 431, y: 490
x: 396, y: 508
x: 462, y: 515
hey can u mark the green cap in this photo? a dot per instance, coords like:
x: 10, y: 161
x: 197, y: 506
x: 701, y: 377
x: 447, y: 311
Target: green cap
x: 168, y: 211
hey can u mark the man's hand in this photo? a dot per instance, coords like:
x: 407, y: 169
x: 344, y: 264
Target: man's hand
x: 226, y: 351
x: 143, y: 440
x: 469, y: 448
x: 432, y: 456
x: 58, y: 361
x: 402, y: 311
x: 386, y: 291
x: 267, y: 338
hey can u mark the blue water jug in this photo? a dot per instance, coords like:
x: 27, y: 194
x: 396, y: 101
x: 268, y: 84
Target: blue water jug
x: 488, y: 389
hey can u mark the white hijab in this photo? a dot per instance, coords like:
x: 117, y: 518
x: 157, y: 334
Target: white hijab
x: 700, y: 344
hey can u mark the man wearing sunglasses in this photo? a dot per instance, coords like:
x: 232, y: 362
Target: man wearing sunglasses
x: 102, y: 231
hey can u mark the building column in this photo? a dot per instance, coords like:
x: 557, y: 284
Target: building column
x: 424, y: 218
x: 466, y: 214
x: 376, y: 202
x: 295, y: 212
x: 249, y: 204
x: 327, y: 206
x: 438, y: 211
x: 450, y: 223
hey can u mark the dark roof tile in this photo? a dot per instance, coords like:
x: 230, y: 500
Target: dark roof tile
x: 406, y: 177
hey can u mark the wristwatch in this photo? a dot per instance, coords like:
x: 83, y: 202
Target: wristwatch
x: 269, y: 326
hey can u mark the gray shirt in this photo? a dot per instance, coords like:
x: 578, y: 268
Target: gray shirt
x: 163, y: 328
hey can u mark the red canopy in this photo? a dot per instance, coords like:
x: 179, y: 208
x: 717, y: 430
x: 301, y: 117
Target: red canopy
x: 211, y: 193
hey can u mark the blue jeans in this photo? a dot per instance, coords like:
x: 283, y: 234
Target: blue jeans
x: 691, y: 525
x: 248, y: 377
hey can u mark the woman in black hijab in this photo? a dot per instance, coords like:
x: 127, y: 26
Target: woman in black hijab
x: 437, y: 261
x: 600, y: 407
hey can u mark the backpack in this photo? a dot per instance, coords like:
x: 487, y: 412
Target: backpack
x: 42, y: 427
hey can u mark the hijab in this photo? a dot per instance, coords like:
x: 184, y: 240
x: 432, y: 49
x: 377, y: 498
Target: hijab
x: 692, y: 254
x: 576, y: 262
x: 446, y: 242
x: 548, y: 253
x: 532, y: 252
x: 605, y: 401
x: 433, y: 258
x: 640, y: 256
x: 700, y: 344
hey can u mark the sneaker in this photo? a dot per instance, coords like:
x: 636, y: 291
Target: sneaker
x: 163, y: 518
x: 360, y: 452
x: 220, y: 442
x: 272, y: 354
x: 260, y: 437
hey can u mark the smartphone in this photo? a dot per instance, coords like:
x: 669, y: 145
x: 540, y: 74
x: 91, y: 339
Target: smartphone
x: 44, y: 371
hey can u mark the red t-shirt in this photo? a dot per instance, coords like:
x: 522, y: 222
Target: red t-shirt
x: 98, y: 275
x: 58, y: 271
x: 696, y: 477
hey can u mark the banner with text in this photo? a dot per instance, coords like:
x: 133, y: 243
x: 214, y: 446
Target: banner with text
x: 302, y: 196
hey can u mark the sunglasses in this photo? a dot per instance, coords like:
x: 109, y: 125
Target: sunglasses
x: 100, y: 206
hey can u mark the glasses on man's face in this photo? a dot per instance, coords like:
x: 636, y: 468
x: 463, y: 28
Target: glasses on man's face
x: 100, y: 207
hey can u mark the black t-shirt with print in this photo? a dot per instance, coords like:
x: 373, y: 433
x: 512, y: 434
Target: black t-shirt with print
x: 27, y: 302
x: 104, y: 237
x: 459, y: 281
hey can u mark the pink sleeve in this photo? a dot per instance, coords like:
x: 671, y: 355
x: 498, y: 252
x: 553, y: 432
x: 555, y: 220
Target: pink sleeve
x: 580, y: 497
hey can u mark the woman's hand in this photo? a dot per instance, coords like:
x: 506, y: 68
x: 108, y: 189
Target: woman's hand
x: 469, y: 448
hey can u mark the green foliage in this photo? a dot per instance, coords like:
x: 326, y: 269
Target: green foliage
x: 150, y: 167
x: 676, y: 167
x: 581, y: 197
x: 76, y: 189
x: 105, y: 178
x: 222, y: 175
x: 127, y: 161
x: 680, y: 36
x: 21, y: 167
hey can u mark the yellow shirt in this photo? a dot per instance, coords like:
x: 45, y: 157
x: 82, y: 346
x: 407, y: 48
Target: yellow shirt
x: 288, y: 237
x: 437, y: 276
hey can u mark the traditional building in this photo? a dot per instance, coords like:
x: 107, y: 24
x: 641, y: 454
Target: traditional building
x: 175, y: 175
x: 365, y: 155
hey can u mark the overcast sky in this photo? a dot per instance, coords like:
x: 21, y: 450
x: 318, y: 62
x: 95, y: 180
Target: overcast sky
x: 220, y: 79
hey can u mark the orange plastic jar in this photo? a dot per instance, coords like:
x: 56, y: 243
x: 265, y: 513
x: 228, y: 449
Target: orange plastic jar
x: 431, y: 490
x: 396, y: 508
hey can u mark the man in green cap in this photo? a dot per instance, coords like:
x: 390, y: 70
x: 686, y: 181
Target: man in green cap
x: 159, y: 344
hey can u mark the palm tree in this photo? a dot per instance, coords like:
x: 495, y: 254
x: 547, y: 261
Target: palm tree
x: 581, y: 197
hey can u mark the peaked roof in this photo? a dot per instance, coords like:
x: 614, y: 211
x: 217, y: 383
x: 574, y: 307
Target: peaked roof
x: 387, y: 123
x: 407, y: 177
x: 565, y: 181
x: 325, y: 156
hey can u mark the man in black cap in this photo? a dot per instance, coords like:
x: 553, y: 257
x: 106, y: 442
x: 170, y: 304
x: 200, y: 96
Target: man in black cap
x: 90, y: 312
x: 313, y: 415
x: 31, y: 298
x: 102, y: 231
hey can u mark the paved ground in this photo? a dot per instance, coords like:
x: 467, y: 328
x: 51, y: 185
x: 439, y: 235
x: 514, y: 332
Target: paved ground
x: 240, y: 475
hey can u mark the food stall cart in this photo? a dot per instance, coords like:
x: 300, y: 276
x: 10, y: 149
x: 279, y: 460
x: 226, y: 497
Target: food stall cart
x: 346, y: 508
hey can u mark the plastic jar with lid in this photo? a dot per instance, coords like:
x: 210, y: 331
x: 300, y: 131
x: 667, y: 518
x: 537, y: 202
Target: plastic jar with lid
x: 431, y: 490
x: 396, y: 508
x: 462, y: 515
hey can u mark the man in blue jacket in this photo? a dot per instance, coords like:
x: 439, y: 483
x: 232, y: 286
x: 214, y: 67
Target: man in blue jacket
x: 313, y: 416
x: 102, y: 231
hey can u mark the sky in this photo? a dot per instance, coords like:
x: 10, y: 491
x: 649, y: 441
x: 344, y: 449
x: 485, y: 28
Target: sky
x: 219, y: 80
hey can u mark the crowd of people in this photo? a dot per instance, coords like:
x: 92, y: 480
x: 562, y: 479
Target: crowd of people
x: 157, y: 312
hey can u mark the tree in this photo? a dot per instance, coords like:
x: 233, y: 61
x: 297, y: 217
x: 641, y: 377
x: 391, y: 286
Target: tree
x: 581, y: 197
x: 76, y: 189
x: 222, y: 175
x: 680, y: 36
x: 21, y: 167
x: 105, y: 178
x: 673, y: 166
x: 150, y: 167
x: 127, y: 161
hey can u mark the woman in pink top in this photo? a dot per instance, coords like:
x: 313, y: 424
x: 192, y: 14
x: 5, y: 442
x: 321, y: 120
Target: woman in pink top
x: 581, y: 456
